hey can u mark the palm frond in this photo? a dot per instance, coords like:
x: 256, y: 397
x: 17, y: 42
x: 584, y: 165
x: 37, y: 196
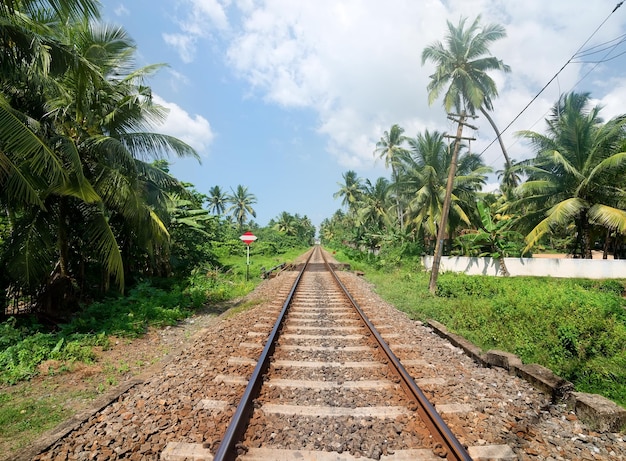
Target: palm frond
x: 156, y: 145
x: 609, y: 217
x: 100, y: 236
x: 22, y: 147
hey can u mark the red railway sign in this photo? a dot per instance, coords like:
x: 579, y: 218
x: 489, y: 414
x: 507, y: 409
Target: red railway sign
x: 248, y: 238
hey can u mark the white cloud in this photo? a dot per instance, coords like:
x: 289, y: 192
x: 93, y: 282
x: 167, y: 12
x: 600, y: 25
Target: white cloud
x: 357, y: 63
x: 194, y: 130
x: 121, y: 10
x: 201, y: 19
x: 185, y: 45
x: 177, y: 79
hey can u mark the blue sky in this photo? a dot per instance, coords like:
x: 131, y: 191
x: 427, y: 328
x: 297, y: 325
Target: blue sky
x: 284, y: 96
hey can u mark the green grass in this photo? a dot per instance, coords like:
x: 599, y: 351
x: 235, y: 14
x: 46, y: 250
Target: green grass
x: 28, y: 409
x: 575, y: 327
x: 158, y: 303
x: 23, y: 416
x: 237, y: 262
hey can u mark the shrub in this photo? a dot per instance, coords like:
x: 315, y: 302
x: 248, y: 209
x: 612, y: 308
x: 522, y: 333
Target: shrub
x: 577, y: 328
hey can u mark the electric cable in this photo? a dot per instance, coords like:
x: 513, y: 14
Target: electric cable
x: 619, y: 4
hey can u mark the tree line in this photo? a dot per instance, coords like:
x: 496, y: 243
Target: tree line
x: 88, y: 204
x: 569, y: 196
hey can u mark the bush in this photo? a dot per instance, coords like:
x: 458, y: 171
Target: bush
x: 576, y: 328
x: 20, y: 361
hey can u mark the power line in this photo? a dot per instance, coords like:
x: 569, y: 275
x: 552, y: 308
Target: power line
x: 554, y: 77
x: 602, y: 61
x: 593, y: 50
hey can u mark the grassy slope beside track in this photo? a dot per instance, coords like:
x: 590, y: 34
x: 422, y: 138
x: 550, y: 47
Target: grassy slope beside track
x: 47, y: 376
x: 575, y: 327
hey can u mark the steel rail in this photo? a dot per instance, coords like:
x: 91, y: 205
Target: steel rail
x: 236, y: 427
x: 430, y: 416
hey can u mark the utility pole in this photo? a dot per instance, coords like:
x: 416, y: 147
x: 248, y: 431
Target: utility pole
x: 441, y: 232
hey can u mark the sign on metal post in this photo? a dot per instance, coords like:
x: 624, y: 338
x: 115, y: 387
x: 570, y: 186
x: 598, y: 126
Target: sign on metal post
x: 248, y: 238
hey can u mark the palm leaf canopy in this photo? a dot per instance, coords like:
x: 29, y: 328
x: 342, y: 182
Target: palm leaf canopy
x: 462, y: 67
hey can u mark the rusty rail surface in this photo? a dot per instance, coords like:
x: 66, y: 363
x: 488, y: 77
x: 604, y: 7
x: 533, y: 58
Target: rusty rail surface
x: 439, y: 429
x: 234, y: 431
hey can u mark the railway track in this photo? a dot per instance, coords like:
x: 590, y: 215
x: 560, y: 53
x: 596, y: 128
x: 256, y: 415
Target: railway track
x: 327, y: 385
x: 328, y: 392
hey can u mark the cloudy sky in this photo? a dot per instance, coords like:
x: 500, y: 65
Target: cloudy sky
x: 284, y: 96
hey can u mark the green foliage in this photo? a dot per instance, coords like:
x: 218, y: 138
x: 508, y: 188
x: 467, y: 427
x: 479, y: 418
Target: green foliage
x: 190, y: 250
x: 155, y: 302
x: 213, y: 286
x: 577, y: 328
x: 451, y: 285
x: 21, y: 416
x: 131, y: 315
x: 391, y: 255
x: 22, y: 349
x: 10, y: 334
x: 493, y: 238
x: 20, y: 360
x: 295, y: 226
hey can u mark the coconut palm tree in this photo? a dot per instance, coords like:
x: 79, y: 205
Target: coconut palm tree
x: 80, y: 138
x: 373, y: 216
x: 66, y: 8
x: 425, y: 174
x: 390, y: 147
x: 576, y: 177
x: 462, y: 66
x: 109, y: 115
x: 350, y: 191
x: 286, y: 223
x: 217, y: 201
x: 241, y: 205
x: 306, y: 229
x: 29, y: 56
x: 375, y: 205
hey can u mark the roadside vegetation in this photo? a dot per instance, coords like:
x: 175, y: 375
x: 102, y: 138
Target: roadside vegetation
x: 568, y: 196
x: 98, y: 239
x: 31, y: 351
x: 575, y: 327
x: 99, y: 243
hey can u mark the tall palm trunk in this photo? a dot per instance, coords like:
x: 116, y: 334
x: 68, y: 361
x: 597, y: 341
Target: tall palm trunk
x: 507, y: 160
x: 62, y: 238
x: 584, y: 236
x: 398, y: 206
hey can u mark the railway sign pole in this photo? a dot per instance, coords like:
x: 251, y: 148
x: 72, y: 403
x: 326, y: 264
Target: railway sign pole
x: 248, y: 238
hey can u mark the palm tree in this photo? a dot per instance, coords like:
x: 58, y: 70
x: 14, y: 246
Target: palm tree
x: 78, y: 139
x: 577, y: 176
x: 375, y: 204
x: 66, y: 8
x: 29, y: 57
x: 286, y: 223
x: 390, y: 148
x: 218, y: 200
x: 306, y: 229
x: 425, y: 176
x: 108, y: 115
x: 462, y: 66
x: 350, y: 191
x: 241, y: 205
x: 509, y: 179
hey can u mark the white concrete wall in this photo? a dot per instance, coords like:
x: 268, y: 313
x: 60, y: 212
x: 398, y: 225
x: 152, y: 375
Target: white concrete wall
x: 552, y: 267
